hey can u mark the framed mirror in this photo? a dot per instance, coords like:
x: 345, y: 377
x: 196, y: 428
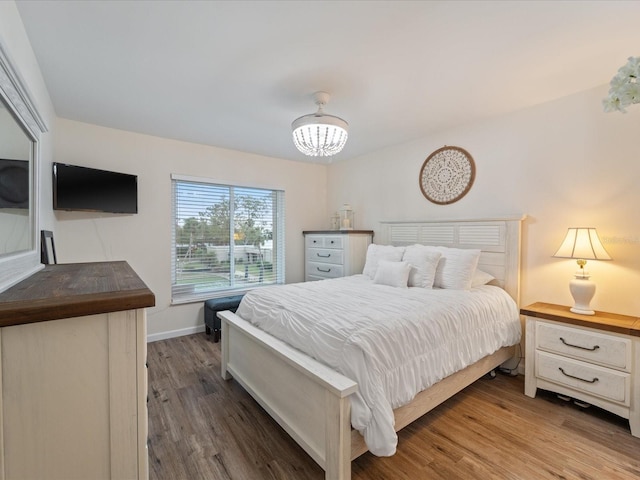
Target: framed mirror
x: 20, y: 129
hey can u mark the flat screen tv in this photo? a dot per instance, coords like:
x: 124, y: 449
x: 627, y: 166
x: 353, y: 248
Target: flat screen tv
x: 14, y: 183
x: 92, y: 190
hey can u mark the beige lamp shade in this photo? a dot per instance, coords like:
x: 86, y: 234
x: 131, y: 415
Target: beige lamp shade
x: 582, y: 243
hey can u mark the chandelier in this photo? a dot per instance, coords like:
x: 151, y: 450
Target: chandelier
x: 319, y: 134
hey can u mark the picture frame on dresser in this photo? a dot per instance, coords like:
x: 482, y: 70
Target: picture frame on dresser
x: 47, y: 248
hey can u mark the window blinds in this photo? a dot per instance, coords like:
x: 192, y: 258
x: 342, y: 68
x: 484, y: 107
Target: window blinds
x: 226, y: 239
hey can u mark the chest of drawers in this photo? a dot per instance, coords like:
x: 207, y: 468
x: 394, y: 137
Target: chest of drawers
x: 73, y: 389
x: 595, y: 359
x: 333, y: 254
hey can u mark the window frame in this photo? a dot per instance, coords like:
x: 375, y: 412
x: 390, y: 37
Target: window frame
x: 278, y: 233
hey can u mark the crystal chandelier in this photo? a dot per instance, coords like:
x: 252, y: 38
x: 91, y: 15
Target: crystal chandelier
x: 319, y: 134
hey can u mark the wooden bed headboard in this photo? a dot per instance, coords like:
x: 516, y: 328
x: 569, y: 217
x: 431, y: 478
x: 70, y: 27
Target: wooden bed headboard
x: 497, y: 238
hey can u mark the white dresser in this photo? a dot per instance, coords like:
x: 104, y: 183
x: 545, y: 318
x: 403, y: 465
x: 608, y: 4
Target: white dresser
x: 73, y: 388
x: 593, y: 358
x: 334, y: 253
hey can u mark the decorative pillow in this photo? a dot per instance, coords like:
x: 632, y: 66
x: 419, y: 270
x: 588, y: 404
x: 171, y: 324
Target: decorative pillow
x: 423, y: 261
x: 376, y: 253
x: 456, y: 267
x: 394, y: 274
x: 481, y: 278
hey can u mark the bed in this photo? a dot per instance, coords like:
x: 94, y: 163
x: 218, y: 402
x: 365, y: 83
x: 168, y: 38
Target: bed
x: 312, y: 401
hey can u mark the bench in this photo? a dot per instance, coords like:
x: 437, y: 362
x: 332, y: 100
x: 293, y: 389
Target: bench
x: 211, y: 309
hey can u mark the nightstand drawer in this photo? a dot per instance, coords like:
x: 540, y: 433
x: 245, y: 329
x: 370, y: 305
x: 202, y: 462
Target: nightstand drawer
x: 609, y: 384
x: 595, y: 347
x: 324, y: 270
x: 326, y: 255
x: 329, y: 241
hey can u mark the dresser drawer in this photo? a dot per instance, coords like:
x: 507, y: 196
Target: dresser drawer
x: 326, y: 255
x: 324, y: 241
x: 605, y: 383
x: 324, y: 270
x: 596, y: 347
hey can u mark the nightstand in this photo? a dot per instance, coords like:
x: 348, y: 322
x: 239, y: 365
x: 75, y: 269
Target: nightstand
x: 593, y: 358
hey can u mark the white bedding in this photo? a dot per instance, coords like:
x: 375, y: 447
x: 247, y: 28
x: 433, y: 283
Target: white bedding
x: 394, y: 342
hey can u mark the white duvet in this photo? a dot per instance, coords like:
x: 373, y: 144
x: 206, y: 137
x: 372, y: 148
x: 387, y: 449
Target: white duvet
x: 394, y: 342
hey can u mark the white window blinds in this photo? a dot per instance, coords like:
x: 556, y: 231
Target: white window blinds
x: 226, y: 239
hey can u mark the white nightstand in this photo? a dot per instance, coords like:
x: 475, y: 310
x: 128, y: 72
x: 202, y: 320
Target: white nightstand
x: 594, y: 358
x: 335, y: 253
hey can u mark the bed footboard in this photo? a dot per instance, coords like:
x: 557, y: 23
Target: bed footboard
x: 307, y: 398
x: 311, y: 401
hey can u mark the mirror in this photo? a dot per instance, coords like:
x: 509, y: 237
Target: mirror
x: 16, y: 233
x: 20, y: 130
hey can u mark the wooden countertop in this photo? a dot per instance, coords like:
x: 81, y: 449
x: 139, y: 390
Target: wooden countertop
x: 74, y: 290
x: 611, y: 322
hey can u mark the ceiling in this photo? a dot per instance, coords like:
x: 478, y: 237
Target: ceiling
x: 235, y: 74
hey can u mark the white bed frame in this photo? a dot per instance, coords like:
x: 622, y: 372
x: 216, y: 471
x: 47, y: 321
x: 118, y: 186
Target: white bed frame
x: 311, y: 401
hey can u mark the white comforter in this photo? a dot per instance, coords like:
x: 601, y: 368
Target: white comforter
x: 394, y: 342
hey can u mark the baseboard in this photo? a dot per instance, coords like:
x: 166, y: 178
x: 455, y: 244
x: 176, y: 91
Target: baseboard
x: 154, y: 337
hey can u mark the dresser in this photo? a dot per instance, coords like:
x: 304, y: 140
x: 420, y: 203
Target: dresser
x: 592, y: 358
x: 334, y: 253
x: 73, y: 389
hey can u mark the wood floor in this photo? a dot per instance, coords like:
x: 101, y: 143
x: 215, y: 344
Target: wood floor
x: 202, y: 427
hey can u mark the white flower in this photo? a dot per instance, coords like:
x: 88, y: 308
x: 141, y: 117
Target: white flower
x: 624, y: 87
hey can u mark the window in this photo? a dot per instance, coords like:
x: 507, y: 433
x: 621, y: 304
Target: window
x: 226, y: 239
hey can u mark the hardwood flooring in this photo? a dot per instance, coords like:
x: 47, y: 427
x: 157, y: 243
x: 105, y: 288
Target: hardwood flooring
x: 202, y: 427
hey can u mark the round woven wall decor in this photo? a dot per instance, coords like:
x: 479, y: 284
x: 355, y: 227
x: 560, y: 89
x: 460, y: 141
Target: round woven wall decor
x: 447, y: 175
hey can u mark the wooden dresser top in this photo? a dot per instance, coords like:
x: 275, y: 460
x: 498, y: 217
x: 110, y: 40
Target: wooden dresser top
x: 74, y: 290
x: 611, y: 322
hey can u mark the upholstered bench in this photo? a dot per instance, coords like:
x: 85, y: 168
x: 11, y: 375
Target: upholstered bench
x: 211, y: 309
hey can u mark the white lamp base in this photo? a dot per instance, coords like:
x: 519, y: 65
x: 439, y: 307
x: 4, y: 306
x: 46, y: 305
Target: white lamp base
x: 582, y: 289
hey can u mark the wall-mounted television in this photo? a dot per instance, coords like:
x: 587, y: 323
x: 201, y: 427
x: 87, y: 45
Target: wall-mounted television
x: 14, y: 183
x: 92, y: 190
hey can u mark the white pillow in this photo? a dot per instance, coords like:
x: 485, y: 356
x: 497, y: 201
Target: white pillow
x: 375, y: 253
x: 423, y: 261
x: 481, y: 278
x: 456, y: 267
x: 394, y: 274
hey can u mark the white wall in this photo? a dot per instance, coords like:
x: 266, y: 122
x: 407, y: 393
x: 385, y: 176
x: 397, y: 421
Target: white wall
x: 144, y: 240
x: 564, y: 163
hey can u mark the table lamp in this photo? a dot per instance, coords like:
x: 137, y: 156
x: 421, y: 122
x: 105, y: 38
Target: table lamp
x: 582, y: 243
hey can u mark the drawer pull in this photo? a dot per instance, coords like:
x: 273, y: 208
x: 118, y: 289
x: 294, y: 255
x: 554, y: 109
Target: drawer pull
x: 595, y: 379
x: 595, y: 347
x: 324, y: 271
x: 324, y: 256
